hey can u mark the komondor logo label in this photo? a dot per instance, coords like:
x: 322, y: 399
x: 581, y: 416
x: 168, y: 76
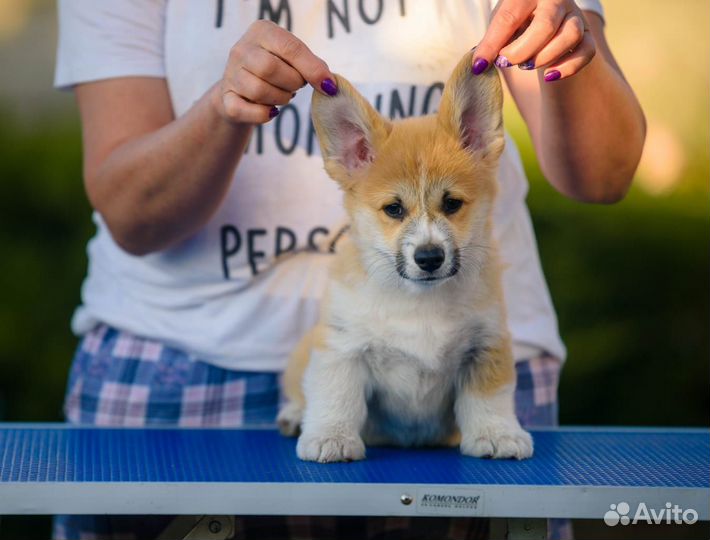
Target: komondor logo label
x: 671, y: 514
x: 450, y: 502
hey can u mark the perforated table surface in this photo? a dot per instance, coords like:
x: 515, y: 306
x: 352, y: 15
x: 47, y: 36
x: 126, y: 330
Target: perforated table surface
x: 52, y: 468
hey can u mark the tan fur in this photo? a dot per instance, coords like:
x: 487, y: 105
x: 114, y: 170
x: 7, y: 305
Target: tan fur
x: 293, y: 375
x: 417, y: 161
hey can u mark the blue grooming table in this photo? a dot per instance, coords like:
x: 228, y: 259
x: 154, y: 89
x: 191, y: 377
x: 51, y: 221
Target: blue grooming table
x: 575, y: 473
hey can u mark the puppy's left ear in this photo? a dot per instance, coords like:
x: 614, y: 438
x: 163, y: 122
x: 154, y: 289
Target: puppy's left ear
x: 350, y: 132
x: 471, y: 109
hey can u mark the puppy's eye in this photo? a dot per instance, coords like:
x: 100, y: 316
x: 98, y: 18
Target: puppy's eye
x: 394, y: 210
x: 451, y: 206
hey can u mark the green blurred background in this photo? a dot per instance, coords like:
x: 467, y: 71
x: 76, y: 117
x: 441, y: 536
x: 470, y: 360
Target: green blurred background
x: 630, y: 281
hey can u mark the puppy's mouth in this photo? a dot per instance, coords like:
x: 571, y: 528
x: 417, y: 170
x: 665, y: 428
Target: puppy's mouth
x: 429, y: 279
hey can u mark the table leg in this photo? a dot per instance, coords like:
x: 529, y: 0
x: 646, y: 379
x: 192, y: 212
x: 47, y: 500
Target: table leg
x: 199, y: 528
x: 526, y: 529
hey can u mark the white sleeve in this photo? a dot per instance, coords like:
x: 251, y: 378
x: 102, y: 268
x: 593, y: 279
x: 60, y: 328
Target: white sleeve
x: 103, y: 39
x: 591, y: 5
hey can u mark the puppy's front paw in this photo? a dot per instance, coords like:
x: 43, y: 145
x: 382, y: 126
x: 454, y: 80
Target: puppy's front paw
x: 502, y: 439
x: 289, y: 419
x: 330, y: 447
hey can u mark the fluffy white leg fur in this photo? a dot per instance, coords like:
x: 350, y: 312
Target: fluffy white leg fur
x: 489, y: 427
x: 335, y: 411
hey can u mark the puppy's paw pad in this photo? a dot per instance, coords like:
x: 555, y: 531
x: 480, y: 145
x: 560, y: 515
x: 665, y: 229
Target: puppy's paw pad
x: 289, y: 419
x: 499, y: 443
x: 330, y: 448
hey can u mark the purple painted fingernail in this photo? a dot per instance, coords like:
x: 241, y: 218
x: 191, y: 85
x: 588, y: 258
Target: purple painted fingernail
x: 479, y: 66
x: 329, y: 87
x: 528, y: 65
x: 274, y: 112
x: 503, y: 62
x: 552, y: 75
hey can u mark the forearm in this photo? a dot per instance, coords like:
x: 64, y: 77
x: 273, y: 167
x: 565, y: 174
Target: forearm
x: 157, y: 180
x: 161, y: 187
x: 591, y: 133
x: 586, y: 124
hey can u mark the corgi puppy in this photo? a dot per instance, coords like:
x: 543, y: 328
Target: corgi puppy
x: 412, y: 346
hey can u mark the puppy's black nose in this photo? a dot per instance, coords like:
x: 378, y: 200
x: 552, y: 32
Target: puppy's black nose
x: 429, y: 257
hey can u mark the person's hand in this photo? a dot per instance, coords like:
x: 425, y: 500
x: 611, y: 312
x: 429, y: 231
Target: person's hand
x: 265, y: 68
x: 549, y: 34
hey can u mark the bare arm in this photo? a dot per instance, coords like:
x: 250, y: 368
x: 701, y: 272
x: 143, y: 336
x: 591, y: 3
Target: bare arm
x: 586, y: 124
x: 588, y: 130
x: 156, y: 179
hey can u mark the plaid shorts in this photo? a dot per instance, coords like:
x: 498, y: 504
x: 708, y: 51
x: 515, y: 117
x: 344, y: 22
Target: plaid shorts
x: 118, y: 379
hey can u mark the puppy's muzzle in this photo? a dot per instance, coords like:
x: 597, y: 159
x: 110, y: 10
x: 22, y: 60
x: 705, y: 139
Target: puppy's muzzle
x: 429, y: 257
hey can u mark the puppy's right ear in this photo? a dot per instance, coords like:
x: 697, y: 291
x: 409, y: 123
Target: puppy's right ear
x: 350, y: 132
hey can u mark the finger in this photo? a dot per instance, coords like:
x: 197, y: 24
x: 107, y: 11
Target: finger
x: 508, y: 17
x: 296, y: 53
x: 239, y: 110
x: 272, y: 69
x: 573, y: 62
x: 257, y: 90
x: 569, y: 36
x: 543, y: 27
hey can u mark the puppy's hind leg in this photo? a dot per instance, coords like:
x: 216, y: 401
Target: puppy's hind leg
x: 485, y: 407
x: 289, y: 418
x: 291, y: 413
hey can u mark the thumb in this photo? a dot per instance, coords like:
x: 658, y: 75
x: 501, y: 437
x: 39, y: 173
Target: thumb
x: 505, y: 22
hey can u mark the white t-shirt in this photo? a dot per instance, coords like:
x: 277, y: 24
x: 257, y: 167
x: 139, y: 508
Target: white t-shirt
x: 223, y: 295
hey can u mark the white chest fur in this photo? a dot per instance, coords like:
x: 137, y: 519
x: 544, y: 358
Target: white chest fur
x: 426, y: 328
x: 413, y: 346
